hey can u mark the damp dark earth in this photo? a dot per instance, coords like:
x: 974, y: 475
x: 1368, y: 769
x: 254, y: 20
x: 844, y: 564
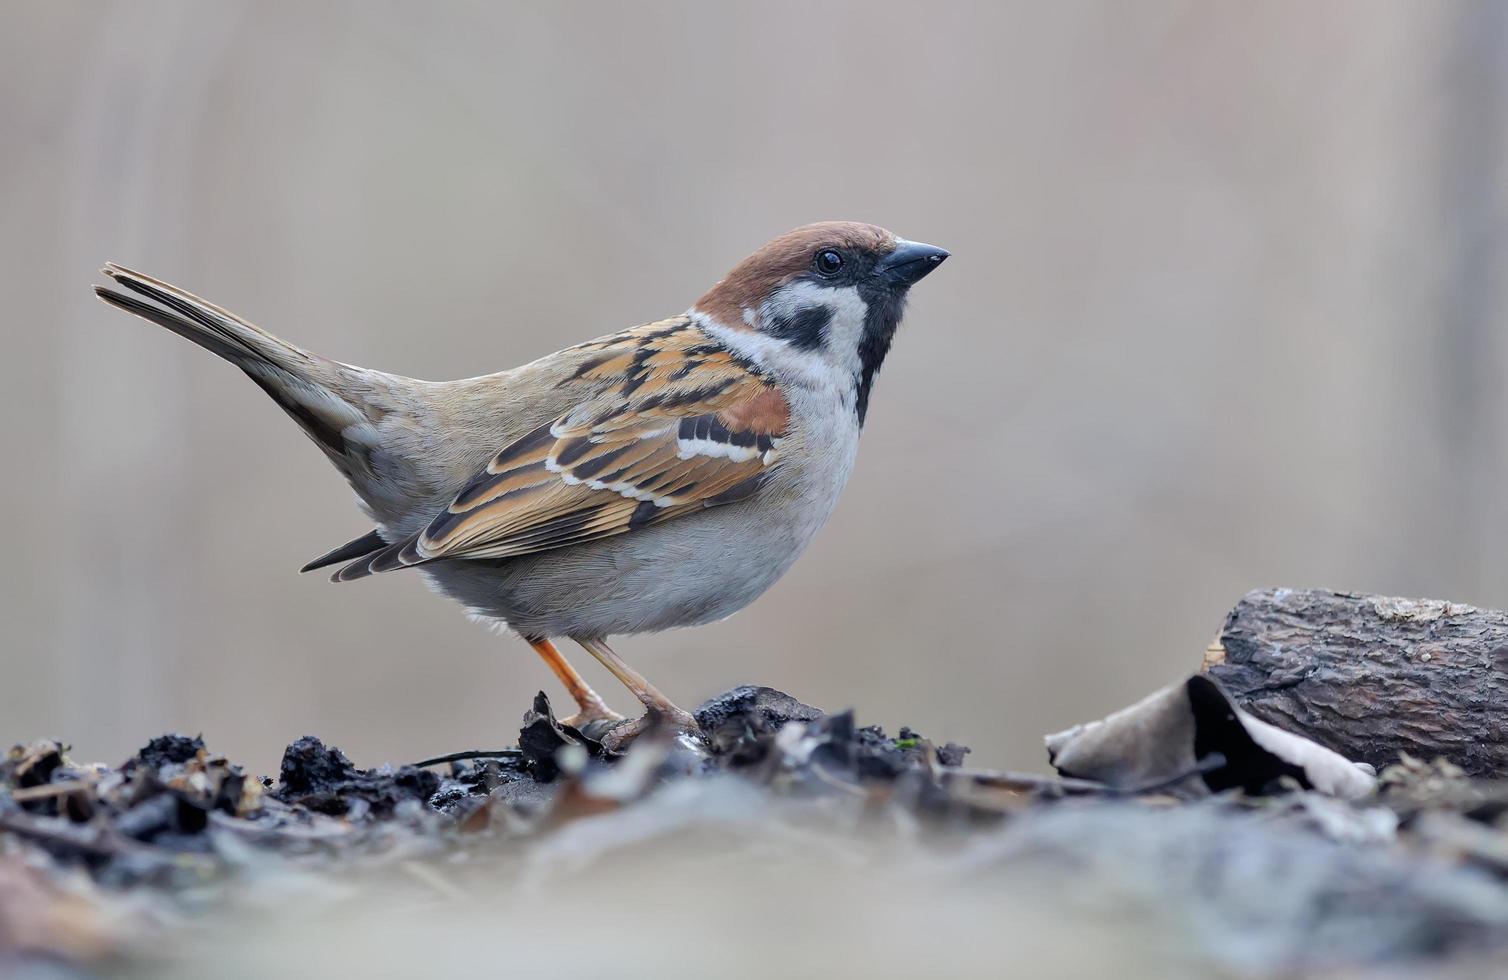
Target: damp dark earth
x: 1224, y: 825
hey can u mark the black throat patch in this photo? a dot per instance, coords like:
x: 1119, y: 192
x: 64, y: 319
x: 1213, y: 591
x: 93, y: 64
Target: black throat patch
x: 882, y: 317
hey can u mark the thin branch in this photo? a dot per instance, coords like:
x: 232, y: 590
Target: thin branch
x: 473, y: 754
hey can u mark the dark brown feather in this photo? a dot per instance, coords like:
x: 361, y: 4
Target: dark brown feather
x: 364, y: 545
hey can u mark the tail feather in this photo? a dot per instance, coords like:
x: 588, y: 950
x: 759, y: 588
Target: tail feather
x: 307, y: 386
x: 205, y: 323
x: 399, y: 554
x: 361, y: 547
x: 371, y: 425
x: 172, y: 321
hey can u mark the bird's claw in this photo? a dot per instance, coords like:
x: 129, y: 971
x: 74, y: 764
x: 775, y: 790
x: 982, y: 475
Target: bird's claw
x: 594, y: 725
x: 674, y: 721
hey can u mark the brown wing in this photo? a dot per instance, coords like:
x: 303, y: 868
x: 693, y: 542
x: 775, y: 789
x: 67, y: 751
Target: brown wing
x: 681, y: 427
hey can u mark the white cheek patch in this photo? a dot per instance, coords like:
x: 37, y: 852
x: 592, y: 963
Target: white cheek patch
x: 767, y: 353
x: 846, y: 313
x: 831, y: 368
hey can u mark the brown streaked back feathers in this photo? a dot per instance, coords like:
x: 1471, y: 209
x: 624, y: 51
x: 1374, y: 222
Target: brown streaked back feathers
x: 676, y: 423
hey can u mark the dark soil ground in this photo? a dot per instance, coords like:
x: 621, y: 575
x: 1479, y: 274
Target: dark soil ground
x: 103, y: 868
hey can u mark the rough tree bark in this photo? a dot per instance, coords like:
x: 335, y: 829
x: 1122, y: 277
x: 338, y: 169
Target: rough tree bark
x: 1371, y: 676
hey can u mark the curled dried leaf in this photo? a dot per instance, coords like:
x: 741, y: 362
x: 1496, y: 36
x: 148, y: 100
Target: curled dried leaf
x: 1175, y: 731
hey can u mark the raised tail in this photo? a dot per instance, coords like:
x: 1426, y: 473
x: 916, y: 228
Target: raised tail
x: 339, y: 406
x: 308, y: 387
x: 206, y: 324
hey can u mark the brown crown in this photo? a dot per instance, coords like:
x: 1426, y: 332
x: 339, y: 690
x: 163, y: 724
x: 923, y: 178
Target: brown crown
x: 781, y: 260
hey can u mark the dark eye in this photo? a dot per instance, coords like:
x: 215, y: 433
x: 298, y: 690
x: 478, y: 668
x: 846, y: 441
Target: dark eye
x: 827, y: 262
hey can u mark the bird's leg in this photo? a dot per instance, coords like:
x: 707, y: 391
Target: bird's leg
x: 589, y: 704
x: 659, y: 707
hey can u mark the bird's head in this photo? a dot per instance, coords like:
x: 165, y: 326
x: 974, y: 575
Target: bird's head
x: 829, y: 295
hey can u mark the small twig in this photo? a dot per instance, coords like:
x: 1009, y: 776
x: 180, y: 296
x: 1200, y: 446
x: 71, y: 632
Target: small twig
x: 1208, y: 764
x: 1025, y: 782
x: 473, y: 754
x: 82, y: 839
x: 1022, y: 782
x: 49, y: 790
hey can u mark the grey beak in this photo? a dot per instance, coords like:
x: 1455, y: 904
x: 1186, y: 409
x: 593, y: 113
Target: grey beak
x: 910, y: 262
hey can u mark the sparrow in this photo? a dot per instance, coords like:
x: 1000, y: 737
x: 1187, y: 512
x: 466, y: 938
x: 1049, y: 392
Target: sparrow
x: 660, y: 477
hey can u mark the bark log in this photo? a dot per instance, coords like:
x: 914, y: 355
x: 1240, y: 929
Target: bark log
x: 1371, y: 676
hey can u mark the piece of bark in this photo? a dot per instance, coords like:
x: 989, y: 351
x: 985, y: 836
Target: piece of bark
x: 1370, y: 676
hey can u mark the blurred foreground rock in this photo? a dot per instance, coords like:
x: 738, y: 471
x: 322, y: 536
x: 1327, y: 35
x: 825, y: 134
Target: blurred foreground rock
x: 1183, y: 836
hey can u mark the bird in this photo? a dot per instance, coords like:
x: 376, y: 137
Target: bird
x: 659, y: 477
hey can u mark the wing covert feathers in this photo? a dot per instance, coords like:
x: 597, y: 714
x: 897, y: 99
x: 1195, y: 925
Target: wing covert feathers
x: 672, y: 422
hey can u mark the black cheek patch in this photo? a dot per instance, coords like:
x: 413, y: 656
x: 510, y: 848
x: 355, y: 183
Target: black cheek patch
x: 806, y: 328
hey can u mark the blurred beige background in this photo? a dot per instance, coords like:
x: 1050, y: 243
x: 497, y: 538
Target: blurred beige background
x: 1226, y: 310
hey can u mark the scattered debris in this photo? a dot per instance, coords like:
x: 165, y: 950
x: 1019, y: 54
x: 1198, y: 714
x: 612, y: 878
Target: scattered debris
x: 324, y: 780
x: 104, y: 857
x: 177, y: 811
